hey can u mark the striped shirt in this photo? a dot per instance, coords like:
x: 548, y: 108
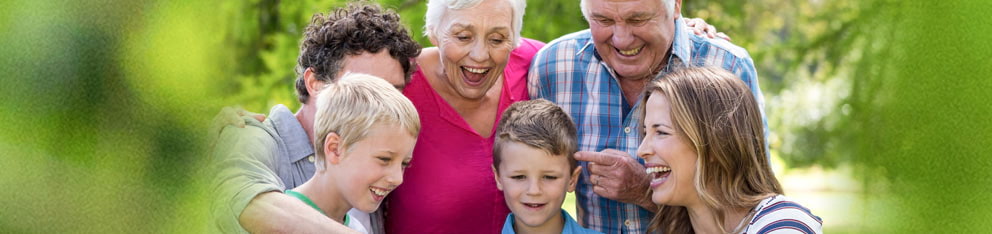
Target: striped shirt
x: 779, y: 214
x: 570, y: 73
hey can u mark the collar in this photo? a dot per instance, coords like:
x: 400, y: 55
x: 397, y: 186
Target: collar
x: 569, y: 226
x: 681, y: 45
x: 291, y: 131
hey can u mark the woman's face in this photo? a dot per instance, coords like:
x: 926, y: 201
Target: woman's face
x: 475, y: 44
x: 669, y: 157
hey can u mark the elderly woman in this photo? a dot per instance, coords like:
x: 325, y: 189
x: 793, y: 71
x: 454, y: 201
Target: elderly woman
x: 477, y: 70
x: 704, y: 153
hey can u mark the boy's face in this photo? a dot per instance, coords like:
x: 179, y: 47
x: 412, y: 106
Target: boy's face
x: 372, y: 167
x: 534, y: 183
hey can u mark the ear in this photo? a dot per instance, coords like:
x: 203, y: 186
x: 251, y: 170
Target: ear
x: 678, y: 10
x: 332, y: 145
x: 496, y: 177
x: 575, y: 178
x: 313, y: 84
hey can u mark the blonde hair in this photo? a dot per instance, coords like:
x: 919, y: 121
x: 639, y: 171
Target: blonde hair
x: 716, y: 112
x: 437, y: 8
x: 353, y: 104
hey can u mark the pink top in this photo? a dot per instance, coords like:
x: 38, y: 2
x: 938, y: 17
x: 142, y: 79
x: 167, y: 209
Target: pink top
x: 449, y: 187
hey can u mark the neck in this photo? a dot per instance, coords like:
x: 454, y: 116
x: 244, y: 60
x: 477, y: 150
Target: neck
x: 704, y: 219
x: 323, y: 192
x: 632, y: 89
x: 306, y: 116
x: 554, y: 225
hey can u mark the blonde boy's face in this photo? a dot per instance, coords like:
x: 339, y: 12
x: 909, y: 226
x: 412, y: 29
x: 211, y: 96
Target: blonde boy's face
x: 534, y: 183
x: 372, y: 167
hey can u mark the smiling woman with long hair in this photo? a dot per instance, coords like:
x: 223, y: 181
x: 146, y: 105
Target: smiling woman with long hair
x: 704, y: 151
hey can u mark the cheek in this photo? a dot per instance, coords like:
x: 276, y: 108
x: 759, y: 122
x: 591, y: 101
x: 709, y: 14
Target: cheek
x: 452, y: 52
x: 501, y: 54
x: 600, y: 33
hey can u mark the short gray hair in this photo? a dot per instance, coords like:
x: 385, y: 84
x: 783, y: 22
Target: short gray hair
x: 669, y: 4
x: 437, y: 8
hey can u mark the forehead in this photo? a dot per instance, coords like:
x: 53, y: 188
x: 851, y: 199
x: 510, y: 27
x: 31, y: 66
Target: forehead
x: 623, y: 8
x: 385, y: 136
x: 495, y: 13
x: 657, y: 109
x: 379, y: 64
x: 516, y: 155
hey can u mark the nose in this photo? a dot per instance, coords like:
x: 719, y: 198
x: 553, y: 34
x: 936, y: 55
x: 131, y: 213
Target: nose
x: 644, y: 151
x: 395, y: 175
x: 622, y: 36
x: 534, y: 187
x: 479, y: 52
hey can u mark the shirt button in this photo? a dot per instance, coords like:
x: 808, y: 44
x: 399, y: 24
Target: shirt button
x: 628, y: 223
x: 626, y: 130
x: 310, y: 158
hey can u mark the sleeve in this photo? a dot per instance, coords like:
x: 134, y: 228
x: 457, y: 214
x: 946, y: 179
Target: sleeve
x: 786, y: 217
x: 243, y: 163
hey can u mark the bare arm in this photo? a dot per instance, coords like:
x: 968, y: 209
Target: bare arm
x: 275, y: 212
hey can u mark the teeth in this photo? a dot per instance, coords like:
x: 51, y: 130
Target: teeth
x: 631, y: 52
x: 650, y: 170
x: 476, y: 70
x: 379, y: 192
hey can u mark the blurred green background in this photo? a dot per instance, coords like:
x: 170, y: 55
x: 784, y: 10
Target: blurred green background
x: 879, y: 109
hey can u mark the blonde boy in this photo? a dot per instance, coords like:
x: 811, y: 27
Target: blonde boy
x: 365, y: 132
x: 534, y: 167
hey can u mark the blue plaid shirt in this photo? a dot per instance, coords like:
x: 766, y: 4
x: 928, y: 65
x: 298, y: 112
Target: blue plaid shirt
x: 569, y: 72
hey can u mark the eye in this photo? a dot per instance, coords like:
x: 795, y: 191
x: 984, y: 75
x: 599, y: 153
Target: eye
x: 496, y: 41
x: 406, y: 164
x: 385, y: 159
x: 604, y: 21
x: 463, y: 38
x: 518, y: 177
x: 636, y: 21
x: 550, y: 177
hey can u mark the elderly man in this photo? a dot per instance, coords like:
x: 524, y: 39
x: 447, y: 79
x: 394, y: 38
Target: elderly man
x: 597, y: 75
x: 256, y: 163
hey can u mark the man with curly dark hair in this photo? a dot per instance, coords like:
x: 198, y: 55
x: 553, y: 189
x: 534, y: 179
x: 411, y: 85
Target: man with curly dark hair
x: 256, y: 163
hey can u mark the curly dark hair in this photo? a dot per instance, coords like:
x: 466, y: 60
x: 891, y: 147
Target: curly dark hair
x: 359, y: 27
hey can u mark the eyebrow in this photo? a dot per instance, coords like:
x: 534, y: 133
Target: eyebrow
x: 470, y: 27
x: 460, y: 26
x: 659, y: 125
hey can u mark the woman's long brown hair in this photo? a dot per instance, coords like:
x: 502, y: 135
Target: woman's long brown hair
x: 716, y: 112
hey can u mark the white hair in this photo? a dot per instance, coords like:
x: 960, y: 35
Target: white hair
x: 437, y: 8
x: 669, y: 5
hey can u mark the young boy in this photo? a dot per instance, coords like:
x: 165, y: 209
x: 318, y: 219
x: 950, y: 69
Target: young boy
x: 534, y: 167
x: 365, y: 132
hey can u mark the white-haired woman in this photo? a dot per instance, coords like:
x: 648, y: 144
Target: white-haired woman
x: 477, y: 69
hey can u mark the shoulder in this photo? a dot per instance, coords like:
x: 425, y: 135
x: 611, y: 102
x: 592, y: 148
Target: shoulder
x: 255, y: 135
x: 717, y: 44
x: 780, y: 213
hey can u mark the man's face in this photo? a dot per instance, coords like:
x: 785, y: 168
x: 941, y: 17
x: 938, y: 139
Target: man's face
x: 632, y: 36
x: 379, y: 64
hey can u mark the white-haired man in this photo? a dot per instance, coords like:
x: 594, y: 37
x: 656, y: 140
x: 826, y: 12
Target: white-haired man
x: 597, y: 76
